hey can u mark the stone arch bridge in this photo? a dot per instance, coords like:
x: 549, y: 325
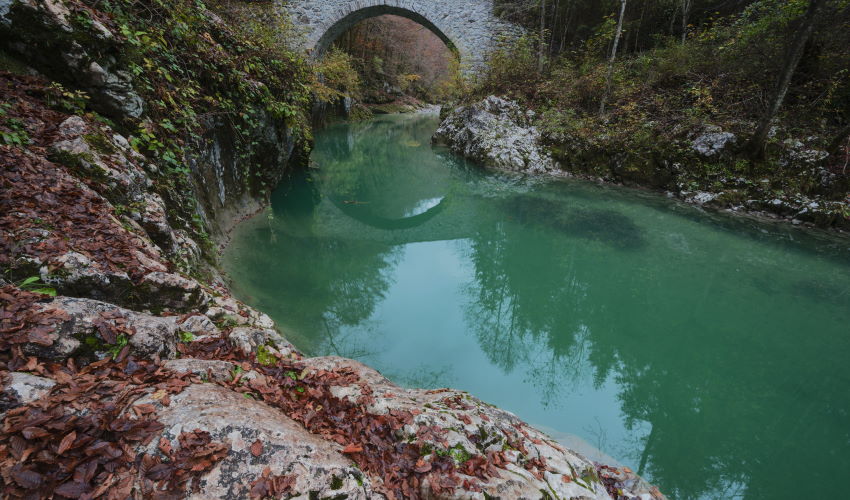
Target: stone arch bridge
x: 469, y: 27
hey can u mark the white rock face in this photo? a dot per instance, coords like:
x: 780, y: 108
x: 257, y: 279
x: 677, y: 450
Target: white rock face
x: 320, y: 469
x: 470, y: 426
x: 497, y: 133
x: 154, y: 336
x: 23, y: 388
x: 713, y: 142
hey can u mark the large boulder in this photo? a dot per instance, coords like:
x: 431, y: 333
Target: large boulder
x: 497, y: 133
x: 318, y: 467
x: 466, y: 426
x: 43, y: 33
x: 85, y: 325
x: 713, y: 142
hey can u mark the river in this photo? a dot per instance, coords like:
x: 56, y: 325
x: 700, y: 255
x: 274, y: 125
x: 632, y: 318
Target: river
x: 711, y: 353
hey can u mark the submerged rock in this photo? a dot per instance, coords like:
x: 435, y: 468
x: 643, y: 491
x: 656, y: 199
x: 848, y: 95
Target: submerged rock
x: 497, y: 133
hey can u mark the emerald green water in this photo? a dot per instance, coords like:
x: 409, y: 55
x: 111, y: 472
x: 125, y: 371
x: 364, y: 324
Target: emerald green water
x: 710, y: 353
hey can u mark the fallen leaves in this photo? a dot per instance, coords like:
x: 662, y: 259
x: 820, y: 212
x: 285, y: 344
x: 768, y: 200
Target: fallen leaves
x: 79, y: 440
x: 257, y: 448
x: 271, y: 486
x: 352, y: 448
x: 45, y: 210
x: 373, y: 441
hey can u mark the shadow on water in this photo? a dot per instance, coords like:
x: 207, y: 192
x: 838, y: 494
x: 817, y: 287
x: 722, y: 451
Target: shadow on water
x: 605, y: 226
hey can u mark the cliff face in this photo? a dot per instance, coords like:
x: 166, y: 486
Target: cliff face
x: 127, y: 369
x: 229, y: 136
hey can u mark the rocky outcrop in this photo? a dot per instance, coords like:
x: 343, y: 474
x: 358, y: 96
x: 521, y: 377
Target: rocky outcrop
x: 21, y: 388
x: 309, y: 436
x: 46, y: 35
x: 318, y: 467
x: 88, y: 55
x: 713, y: 141
x: 497, y: 133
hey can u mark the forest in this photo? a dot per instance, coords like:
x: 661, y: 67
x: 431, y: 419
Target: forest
x: 621, y: 88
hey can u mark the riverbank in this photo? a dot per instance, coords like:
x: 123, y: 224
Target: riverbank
x: 501, y: 134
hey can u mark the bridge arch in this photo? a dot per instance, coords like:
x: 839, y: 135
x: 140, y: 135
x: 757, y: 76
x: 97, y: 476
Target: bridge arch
x: 469, y: 28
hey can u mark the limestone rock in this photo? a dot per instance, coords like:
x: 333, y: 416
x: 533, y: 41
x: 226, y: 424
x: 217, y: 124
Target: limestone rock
x: 713, y: 142
x: 320, y: 469
x: 154, y: 336
x: 173, y: 291
x: 111, y: 89
x: 497, y: 133
x: 474, y: 427
x: 199, y: 325
x: 218, y: 371
x: 23, y: 388
x: 228, y: 309
x: 796, y: 154
x: 248, y: 339
x: 80, y: 275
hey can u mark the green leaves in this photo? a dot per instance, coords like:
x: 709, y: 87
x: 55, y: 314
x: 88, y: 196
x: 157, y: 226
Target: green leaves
x: 33, y: 284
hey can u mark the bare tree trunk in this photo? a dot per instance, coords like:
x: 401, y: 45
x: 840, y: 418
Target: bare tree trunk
x: 613, y: 58
x: 755, y: 146
x: 567, y: 22
x: 542, y: 42
x: 552, y: 29
x: 673, y: 20
x: 639, y: 26
x: 686, y: 11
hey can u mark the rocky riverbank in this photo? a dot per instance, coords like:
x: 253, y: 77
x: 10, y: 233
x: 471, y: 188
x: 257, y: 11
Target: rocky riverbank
x: 128, y: 369
x: 498, y: 133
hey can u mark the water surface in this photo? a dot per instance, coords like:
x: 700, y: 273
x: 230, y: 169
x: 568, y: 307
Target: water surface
x: 712, y: 354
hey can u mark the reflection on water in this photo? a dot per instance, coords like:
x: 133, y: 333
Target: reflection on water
x: 709, y: 353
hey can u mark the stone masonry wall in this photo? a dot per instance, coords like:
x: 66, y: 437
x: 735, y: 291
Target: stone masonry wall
x: 470, y: 26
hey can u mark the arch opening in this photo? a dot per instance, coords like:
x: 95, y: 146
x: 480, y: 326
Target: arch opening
x: 401, y: 63
x: 333, y: 32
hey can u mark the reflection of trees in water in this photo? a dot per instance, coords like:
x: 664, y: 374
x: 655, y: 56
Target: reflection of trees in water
x: 731, y: 411
x: 516, y: 324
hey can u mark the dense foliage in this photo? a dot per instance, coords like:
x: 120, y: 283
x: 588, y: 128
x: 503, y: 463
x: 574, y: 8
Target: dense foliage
x: 395, y: 56
x: 672, y: 77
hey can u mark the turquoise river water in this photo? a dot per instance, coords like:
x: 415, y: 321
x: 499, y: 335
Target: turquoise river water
x: 710, y: 353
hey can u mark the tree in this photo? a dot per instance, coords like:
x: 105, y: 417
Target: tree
x: 686, y: 10
x: 613, y: 57
x: 755, y: 146
x: 541, y: 56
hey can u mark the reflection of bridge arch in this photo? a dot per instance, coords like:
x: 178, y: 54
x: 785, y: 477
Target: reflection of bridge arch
x: 361, y: 214
x: 470, y: 28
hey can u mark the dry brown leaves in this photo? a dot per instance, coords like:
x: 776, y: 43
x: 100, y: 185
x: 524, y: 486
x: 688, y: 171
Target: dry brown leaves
x: 80, y: 440
x: 269, y: 486
x: 21, y: 322
x: 371, y: 440
x: 44, y: 211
